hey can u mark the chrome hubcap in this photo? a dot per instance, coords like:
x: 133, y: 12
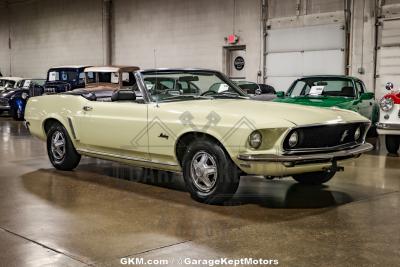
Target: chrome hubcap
x: 58, y: 146
x: 204, y: 172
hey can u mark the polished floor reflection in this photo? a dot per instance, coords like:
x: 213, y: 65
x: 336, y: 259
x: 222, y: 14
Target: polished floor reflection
x: 104, y: 211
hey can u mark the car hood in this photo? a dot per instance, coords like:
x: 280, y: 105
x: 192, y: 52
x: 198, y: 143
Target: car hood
x: 321, y: 101
x: 7, y: 93
x: 262, y: 114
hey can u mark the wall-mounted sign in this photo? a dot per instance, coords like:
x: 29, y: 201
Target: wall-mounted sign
x: 239, y: 63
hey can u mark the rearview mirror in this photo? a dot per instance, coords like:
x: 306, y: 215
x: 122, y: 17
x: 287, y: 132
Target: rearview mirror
x: 367, y: 96
x: 280, y: 94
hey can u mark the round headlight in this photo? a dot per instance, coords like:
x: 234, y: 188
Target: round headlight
x: 357, y: 134
x: 24, y: 95
x: 255, y: 139
x: 293, y: 139
x: 386, y: 104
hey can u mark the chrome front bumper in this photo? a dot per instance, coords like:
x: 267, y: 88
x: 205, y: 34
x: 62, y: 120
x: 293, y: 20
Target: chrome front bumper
x: 310, y: 158
x: 4, y: 108
x: 388, y: 126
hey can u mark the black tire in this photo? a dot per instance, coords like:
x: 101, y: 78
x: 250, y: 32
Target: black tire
x: 63, y: 157
x: 392, y: 143
x: 314, y: 178
x: 222, y: 185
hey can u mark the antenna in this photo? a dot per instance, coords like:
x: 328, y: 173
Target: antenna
x: 155, y: 58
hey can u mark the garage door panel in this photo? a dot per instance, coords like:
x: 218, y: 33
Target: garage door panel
x: 323, y: 62
x: 389, y: 33
x: 281, y: 83
x: 321, y: 37
x: 284, y: 64
x: 388, y: 56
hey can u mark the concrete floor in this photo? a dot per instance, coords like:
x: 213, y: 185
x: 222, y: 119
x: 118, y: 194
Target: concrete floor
x: 104, y: 211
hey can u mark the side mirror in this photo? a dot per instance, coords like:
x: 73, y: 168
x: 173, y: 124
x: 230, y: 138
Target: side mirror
x: 367, y: 96
x: 389, y: 86
x: 280, y: 94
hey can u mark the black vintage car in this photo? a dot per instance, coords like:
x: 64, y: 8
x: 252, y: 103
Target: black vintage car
x: 13, y: 99
x: 63, y: 79
x: 59, y: 80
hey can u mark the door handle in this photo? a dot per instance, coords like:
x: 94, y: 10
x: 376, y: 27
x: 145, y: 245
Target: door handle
x: 87, y: 108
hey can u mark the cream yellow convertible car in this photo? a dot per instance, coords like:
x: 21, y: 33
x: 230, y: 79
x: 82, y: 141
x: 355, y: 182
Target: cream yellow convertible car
x: 200, y: 123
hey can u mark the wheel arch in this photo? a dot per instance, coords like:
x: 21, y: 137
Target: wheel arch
x: 48, y: 122
x: 187, y: 138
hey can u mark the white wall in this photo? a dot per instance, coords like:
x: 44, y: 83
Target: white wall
x: 49, y: 33
x: 190, y: 33
x: 4, y: 51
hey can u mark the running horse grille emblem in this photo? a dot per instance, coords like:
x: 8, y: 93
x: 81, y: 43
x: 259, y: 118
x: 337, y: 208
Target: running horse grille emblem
x: 344, y: 135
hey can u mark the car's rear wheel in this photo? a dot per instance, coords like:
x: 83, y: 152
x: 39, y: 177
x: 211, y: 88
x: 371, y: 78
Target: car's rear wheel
x: 60, y: 149
x: 314, y: 178
x: 392, y: 143
x: 210, y: 175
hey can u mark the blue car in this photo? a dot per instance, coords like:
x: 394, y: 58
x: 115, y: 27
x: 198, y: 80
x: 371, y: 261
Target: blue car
x: 59, y: 80
x: 12, y: 100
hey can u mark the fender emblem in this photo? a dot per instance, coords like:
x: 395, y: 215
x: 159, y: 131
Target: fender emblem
x: 163, y: 136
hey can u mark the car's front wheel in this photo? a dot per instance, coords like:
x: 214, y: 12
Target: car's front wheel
x: 392, y: 143
x: 314, y: 178
x: 60, y: 149
x: 210, y: 175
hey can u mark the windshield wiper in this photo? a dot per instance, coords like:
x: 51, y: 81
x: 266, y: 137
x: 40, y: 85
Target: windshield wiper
x: 229, y: 95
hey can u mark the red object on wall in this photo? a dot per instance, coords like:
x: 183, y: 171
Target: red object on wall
x: 233, y: 39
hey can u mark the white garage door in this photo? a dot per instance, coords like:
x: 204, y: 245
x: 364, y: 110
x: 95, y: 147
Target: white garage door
x: 388, y: 56
x: 310, y: 50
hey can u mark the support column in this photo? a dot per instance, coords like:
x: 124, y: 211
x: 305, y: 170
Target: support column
x: 106, y: 19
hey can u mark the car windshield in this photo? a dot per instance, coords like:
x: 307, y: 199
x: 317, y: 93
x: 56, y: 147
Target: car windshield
x: 29, y: 82
x: 319, y: 87
x: 182, y: 85
x: 62, y: 75
x: 6, y: 83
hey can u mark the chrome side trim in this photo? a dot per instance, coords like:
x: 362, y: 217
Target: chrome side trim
x: 126, y: 157
x: 388, y: 126
x: 309, y: 157
x: 72, y: 128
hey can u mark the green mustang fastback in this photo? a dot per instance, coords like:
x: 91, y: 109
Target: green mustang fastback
x: 333, y: 91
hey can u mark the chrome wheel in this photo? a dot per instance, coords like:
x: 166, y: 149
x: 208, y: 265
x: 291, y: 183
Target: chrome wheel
x: 204, y: 171
x: 58, y: 146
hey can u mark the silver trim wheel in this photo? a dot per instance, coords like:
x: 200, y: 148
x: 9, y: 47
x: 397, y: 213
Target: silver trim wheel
x: 204, y: 171
x: 58, y: 146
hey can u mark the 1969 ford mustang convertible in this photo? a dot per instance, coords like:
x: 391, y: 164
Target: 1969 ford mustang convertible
x: 205, y: 127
